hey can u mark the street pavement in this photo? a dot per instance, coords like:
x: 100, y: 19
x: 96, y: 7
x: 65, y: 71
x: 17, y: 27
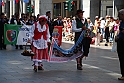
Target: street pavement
x: 102, y: 66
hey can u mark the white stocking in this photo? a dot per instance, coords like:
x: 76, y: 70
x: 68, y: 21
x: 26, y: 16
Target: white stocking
x: 39, y: 63
x: 35, y: 63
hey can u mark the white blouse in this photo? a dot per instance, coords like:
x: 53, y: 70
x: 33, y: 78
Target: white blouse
x: 40, y: 43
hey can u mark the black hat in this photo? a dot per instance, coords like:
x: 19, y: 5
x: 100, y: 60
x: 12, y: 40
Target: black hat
x: 48, y: 12
x: 2, y: 14
x: 25, y: 16
x: 79, y: 11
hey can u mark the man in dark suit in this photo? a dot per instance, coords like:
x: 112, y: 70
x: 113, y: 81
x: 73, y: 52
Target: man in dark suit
x: 2, y: 22
x: 59, y: 21
x: 13, y: 19
x: 50, y: 24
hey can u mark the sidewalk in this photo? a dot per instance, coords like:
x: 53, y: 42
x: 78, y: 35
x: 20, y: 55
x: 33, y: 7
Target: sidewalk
x: 101, y: 66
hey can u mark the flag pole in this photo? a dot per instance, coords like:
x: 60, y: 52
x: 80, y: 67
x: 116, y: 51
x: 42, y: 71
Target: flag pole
x: 20, y: 8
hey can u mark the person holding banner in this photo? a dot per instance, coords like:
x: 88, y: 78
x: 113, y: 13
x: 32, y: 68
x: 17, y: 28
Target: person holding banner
x: 2, y: 22
x: 58, y: 24
x: 39, y: 39
x: 18, y: 22
x: 78, y: 25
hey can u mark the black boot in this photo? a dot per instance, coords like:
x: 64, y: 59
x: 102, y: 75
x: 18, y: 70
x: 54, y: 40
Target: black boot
x: 81, y: 62
x: 21, y: 47
x: 79, y: 67
x: 35, y: 69
x: 16, y: 46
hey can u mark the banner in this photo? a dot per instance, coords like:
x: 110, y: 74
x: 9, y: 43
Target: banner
x: 16, y: 34
x: 57, y: 34
x: 26, y: 1
x: 16, y: 1
x: 11, y: 33
x: 57, y: 54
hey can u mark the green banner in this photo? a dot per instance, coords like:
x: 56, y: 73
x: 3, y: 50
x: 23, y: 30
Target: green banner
x: 11, y: 33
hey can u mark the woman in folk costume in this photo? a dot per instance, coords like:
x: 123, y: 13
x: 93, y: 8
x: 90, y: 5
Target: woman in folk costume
x: 40, y: 39
x: 78, y: 25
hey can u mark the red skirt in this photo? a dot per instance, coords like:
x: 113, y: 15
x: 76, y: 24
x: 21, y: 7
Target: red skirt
x: 40, y: 54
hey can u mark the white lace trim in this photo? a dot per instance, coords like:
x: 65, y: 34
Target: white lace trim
x: 41, y: 29
x: 40, y: 43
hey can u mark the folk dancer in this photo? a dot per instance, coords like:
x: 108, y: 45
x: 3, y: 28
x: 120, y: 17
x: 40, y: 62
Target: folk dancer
x: 78, y: 25
x: 40, y: 39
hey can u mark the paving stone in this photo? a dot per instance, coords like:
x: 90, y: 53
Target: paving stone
x: 102, y: 66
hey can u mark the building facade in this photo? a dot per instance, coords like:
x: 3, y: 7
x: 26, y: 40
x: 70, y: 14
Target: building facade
x: 92, y: 8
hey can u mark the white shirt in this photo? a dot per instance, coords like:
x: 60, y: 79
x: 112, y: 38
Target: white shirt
x: 74, y: 27
x: 102, y: 24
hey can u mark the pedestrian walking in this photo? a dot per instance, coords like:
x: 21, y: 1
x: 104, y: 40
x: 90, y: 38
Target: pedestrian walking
x: 18, y: 22
x: 40, y: 39
x: 116, y: 31
x: 111, y: 29
x: 120, y: 43
x: 107, y: 34
x: 102, y: 26
x: 98, y: 34
x: 90, y: 27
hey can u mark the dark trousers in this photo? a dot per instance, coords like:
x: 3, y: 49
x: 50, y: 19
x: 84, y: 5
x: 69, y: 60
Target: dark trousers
x: 107, y: 34
x: 21, y: 47
x: 2, y: 45
x: 120, y: 50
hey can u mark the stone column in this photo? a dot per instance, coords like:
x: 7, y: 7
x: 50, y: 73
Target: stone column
x: 94, y: 9
x: 11, y: 7
x: 45, y: 5
x: 7, y: 8
x: 3, y: 8
x: 119, y: 4
x: 86, y: 8
x: 36, y: 7
x: 81, y: 4
x: 91, y: 8
x: 23, y: 7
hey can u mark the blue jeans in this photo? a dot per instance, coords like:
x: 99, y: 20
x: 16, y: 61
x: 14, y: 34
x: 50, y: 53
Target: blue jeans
x: 111, y: 36
x: 103, y: 32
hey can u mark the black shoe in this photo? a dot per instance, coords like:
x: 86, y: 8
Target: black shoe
x: 79, y: 67
x: 4, y: 48
x: 21, y: 48
x: 106, y: 44
x: 16, y: 46
x: 81, y: 62
x: 40, y: 68
x: 122, y: 78
x: 35, y: 70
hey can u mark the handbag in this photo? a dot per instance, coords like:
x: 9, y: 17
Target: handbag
x: 27, y: 52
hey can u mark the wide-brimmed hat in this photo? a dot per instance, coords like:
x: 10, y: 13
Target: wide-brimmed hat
x: 79, y: 11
